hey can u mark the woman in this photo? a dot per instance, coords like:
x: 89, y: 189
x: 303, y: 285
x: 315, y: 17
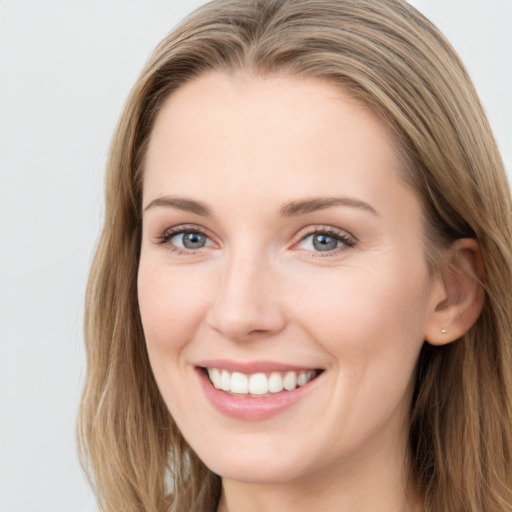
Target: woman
x: 301, y: 298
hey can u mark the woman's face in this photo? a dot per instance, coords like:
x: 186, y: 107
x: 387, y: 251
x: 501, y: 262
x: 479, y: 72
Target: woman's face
x: 281, y: 248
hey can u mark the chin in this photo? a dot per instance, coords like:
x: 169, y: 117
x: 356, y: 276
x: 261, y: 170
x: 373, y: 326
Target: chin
x: 254, y: 464
x: 256, y: 472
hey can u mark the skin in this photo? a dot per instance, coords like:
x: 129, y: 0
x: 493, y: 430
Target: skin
x: 244, y: 146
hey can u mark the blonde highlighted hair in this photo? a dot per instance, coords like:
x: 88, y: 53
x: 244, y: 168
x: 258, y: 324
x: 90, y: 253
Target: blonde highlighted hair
x: 395, y: 62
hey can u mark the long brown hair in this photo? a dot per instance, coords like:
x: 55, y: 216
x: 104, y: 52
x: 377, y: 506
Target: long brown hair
x: 395, y: 62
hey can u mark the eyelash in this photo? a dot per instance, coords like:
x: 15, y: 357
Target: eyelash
x: 346, y: 240
x: 166, y: 237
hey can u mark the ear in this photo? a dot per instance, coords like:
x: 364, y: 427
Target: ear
x: 458, y: 295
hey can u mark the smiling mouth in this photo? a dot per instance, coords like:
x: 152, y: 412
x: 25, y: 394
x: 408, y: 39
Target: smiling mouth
x: 258, y: 385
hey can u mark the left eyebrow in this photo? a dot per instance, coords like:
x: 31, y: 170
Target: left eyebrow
x: 180, y: 203
x: 305, y: 206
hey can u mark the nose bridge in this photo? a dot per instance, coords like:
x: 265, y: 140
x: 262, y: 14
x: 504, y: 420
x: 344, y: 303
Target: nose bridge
x: 247, y: 300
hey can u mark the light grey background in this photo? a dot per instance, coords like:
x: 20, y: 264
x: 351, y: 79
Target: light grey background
x: 65, y: 70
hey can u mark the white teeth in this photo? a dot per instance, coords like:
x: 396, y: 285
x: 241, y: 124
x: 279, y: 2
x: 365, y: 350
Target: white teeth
x: 239, y: 383
x: 258, y: 384
x: 302, y: 378
x: 275, y: 383
x: 290, y: 381
x: 214, y: 375
x: 225, y: 381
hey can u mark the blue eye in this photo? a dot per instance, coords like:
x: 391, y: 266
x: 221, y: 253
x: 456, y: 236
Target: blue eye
x: 320, y: 242
x: 189, y: 240
x: 325, y: 241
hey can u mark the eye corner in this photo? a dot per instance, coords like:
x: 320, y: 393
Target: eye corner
x: 330, y: 241
x: 184, y: 239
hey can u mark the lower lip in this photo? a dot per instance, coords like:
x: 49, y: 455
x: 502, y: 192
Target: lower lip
x: 252, y: 409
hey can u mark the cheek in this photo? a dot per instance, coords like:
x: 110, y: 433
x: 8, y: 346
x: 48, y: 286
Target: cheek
x: 171, y: 309
x: 370, y: 322
x: 371, y: 326
x: 171, y: 305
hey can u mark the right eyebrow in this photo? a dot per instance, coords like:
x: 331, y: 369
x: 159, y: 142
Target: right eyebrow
x: 320, y: 203
x: 187, y: 205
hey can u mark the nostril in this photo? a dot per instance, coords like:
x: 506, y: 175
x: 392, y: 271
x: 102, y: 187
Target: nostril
x: 249, y: 325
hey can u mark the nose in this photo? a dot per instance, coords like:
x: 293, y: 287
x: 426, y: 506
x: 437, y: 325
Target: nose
x: 247, y: 303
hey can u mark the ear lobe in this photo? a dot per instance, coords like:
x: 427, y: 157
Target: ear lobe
x: 460, y: 295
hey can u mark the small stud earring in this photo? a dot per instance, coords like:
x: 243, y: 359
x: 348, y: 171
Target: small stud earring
x: 443, y: 331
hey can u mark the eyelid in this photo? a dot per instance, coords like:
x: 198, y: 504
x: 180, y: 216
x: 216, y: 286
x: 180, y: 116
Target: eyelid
x: 347, y: 239
x: 169, y: 233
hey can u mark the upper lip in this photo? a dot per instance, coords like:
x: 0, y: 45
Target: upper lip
x: 250, y: 367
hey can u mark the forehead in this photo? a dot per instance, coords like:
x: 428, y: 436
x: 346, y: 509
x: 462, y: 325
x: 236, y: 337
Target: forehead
x: 245, y: 105
x: 306, y: 136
